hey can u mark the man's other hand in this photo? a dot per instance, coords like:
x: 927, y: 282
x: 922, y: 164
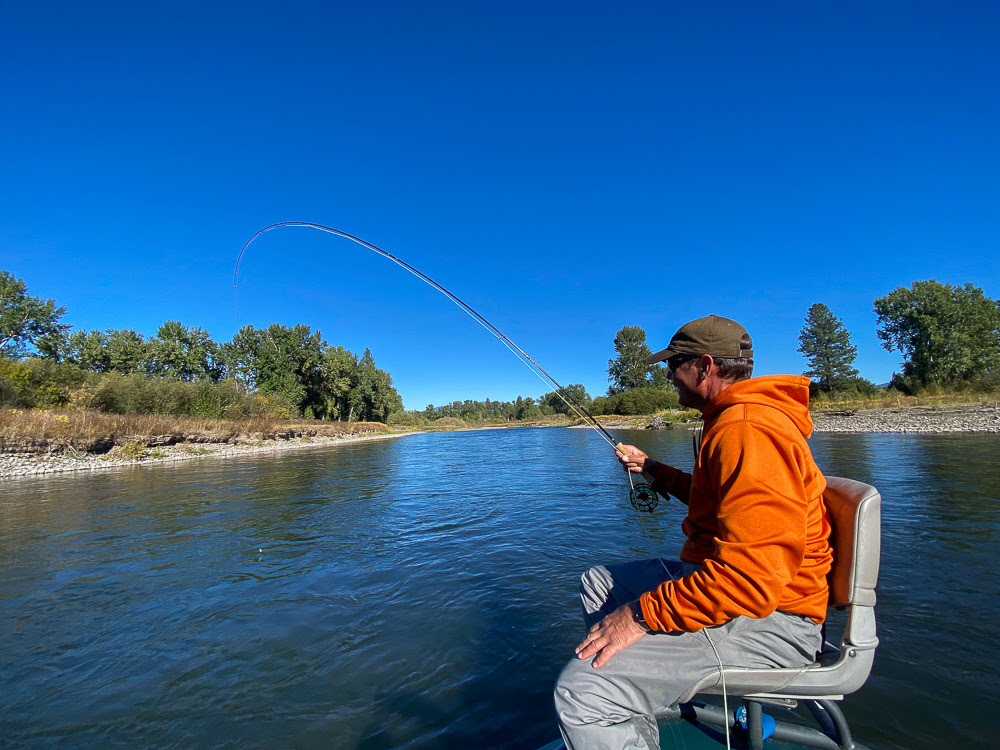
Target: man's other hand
x: 615, y: 632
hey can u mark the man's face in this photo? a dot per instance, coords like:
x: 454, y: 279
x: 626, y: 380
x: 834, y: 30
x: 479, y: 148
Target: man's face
x: 684, y: 375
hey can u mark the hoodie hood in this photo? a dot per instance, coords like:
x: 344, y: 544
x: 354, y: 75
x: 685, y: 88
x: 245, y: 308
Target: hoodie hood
x: 789, y: 394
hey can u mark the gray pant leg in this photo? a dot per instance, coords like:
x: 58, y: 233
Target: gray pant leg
x: 603, y: 589
x: 616, y: 706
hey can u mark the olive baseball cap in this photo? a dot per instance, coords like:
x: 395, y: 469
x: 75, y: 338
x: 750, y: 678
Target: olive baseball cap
x: 714, y: 336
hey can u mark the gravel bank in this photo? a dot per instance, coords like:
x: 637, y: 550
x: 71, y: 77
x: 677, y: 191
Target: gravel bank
x: 921, y: 419
x: 910, y: 419
x: 26, y: 464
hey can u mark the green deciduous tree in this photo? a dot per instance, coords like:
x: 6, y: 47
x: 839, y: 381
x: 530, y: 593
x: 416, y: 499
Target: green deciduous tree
x: 628, y: 369
x: 946, y: 333
x: 575, y: 393
x: 280, y: 361
x: 826, y: 343
x: 636, y: 401
x: 86, y: 350
x: 526, y: 408
x: 25, y: 320
x: 373, y: 395
x: 316, y: 381
x: 184, y: 353
x: 127, y: 352
x: 339, y: 375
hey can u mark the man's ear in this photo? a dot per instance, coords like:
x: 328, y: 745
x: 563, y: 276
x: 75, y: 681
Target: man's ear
x: 704, y: 365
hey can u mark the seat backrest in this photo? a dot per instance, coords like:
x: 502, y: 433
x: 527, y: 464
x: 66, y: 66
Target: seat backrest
x: 855, y: 518
x: 855, y: 510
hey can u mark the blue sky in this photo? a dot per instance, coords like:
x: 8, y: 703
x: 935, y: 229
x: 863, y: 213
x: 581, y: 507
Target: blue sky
x: 565, y: 168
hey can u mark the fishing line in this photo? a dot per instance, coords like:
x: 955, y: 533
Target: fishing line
x: 641, y: 496
x: 575, y: 406
x: 722, y: 669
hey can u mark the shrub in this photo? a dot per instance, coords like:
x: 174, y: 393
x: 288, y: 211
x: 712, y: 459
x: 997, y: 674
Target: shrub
x: 227, y: 399
x: 38, y: 383
x: 905, y: 384
x: 636, y: 401
x: 988, y: 383
x: 848, y: 390
x: 15, y: 384
x: 405, y: 419
x: 133, y: 451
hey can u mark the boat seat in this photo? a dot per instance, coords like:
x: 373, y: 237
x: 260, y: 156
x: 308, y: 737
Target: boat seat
x: 855, y: 516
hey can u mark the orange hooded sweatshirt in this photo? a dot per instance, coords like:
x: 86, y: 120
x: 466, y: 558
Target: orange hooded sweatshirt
x: 756, y: 520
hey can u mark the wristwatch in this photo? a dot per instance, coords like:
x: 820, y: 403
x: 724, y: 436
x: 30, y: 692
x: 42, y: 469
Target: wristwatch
x: 638, y: 617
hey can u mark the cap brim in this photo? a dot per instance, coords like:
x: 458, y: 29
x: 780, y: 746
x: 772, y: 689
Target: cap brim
x: 660, y: 356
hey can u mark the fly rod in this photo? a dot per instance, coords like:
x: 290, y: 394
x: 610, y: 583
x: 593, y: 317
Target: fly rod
x: 642, y: 496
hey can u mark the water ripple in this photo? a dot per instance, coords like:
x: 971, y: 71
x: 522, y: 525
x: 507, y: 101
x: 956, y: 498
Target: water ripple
x: 421, y: 593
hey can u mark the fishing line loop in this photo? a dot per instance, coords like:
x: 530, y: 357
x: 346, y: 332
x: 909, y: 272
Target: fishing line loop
x: 641, y: 496
x: 565, y: 395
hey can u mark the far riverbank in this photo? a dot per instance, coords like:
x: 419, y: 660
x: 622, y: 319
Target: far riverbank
x: 30, y: 464
x: 977, y: 417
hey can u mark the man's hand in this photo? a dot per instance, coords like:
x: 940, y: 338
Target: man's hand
x: 615, y: 632
x: 632, y: 458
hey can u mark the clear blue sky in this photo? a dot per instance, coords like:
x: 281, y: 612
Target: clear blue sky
x: 565, y: 168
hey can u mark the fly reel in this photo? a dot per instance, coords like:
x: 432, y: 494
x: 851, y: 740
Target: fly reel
x: 643, y: 497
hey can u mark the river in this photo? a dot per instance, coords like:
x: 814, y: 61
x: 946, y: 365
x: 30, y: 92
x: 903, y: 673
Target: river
x: 422, y: 592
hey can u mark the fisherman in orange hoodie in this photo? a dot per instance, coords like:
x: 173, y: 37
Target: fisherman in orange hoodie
x: 750, y: 587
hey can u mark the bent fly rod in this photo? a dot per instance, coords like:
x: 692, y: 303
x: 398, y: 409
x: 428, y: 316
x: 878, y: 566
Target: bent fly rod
x: 642, y: 496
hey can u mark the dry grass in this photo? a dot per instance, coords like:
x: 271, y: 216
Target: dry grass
x: 448, y: 423
x: 98, y: 432
x: 680, y: 418
x: 894, y: 399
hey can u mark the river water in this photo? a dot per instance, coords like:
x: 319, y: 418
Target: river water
x: 422, y: 592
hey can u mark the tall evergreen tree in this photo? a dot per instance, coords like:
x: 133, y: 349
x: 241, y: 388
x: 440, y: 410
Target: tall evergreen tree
x: 826, y: 343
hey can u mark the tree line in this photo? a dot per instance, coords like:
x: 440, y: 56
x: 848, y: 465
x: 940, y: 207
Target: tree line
x: 949, y: 336
x: 284, y: 371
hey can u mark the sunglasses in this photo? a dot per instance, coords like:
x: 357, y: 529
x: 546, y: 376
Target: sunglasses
x: 675, y: 362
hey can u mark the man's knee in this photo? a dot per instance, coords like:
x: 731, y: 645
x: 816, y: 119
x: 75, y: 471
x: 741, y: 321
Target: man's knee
x: 581, y: 695
x: 596, y: 583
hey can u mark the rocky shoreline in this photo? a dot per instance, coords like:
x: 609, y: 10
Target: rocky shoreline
x: 913, y: 419
x: 908, y: 419
x: 14, y: 464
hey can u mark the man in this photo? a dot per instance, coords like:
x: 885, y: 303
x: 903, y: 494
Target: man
x: 750, y: 588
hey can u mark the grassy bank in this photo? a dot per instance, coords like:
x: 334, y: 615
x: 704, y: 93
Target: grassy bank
x: 894, y: 399
x: 38, y: 431
x: 58, y: 430
x: 664, y: 420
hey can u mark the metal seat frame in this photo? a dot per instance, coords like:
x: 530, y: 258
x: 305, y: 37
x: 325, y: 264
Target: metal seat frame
x: 855, y: 517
